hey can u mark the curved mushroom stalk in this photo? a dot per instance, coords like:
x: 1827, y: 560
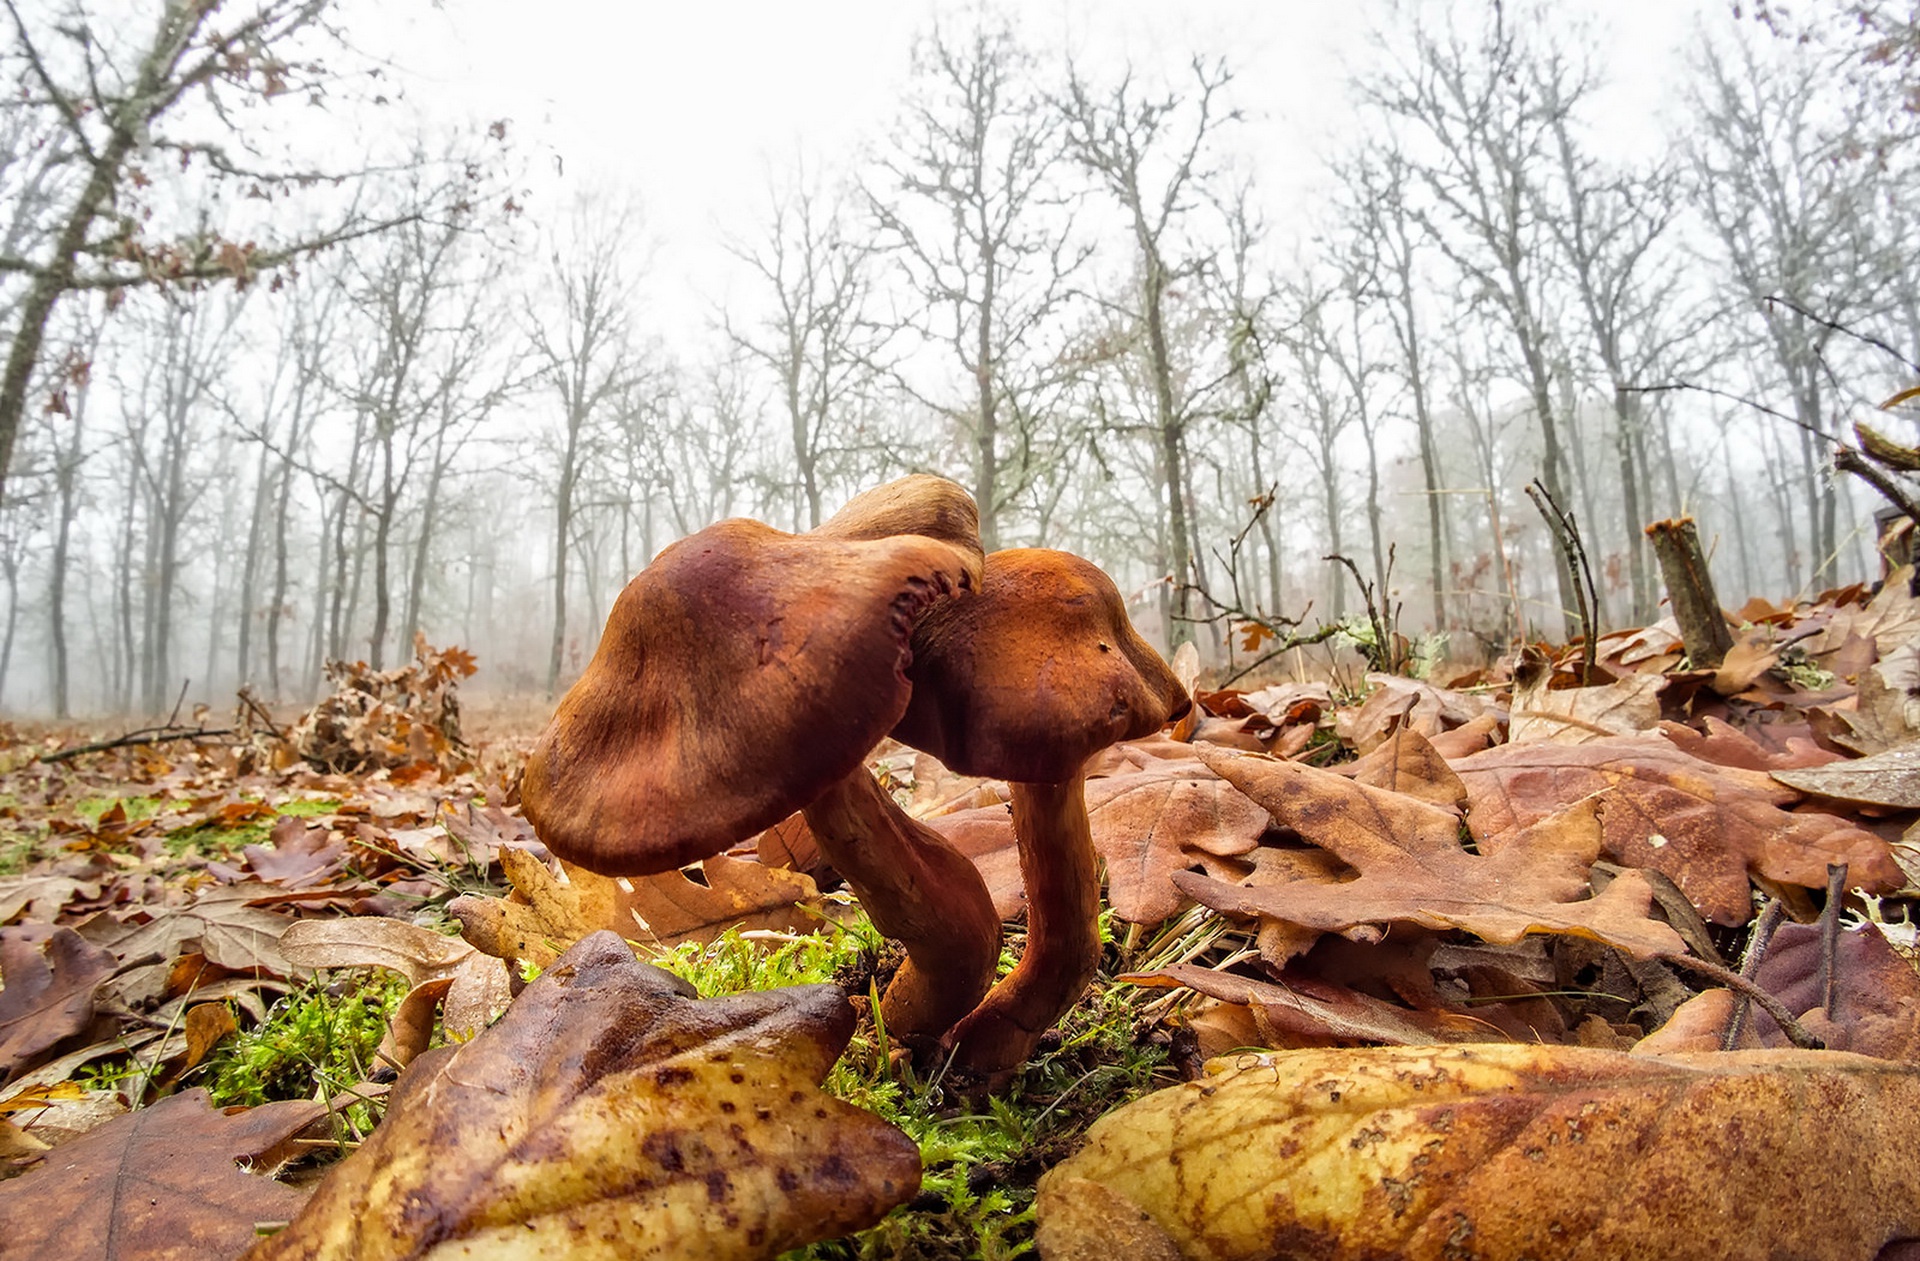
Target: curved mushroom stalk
x: 918, y: 890
x: 1063, y: 931
x: 1024, y: 681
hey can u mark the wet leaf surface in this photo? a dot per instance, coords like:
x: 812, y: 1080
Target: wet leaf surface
x: 610, y: 1113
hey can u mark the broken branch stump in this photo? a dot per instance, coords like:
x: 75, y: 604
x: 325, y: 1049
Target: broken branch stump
x: 1683, y: 567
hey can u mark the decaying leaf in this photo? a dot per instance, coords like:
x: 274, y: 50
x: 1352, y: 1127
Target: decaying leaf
x: 609, y: 1113
x: 40, y: 896
x: 175, y: 1180
x: 1405, y: 704
x: 1304, y: 1011
x: 1153, y: 822
x: 667, y: 908
x: 50, y: 975
x: 219, y: 923
x: 474, y: 986
x: 1891, y: 778
x: 1704, y: 826
x: 1501, y: 1153
x: 1406, y: 762
x: 1575, y: 715
x: 1413, y: 869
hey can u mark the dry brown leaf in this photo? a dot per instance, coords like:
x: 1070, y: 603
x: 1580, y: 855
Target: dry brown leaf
x: 50, y: 975
x: 219, y: 924
x: 1575, y: 715
x: 1397, y: 703
x: 1407, y: 763
x: 176, y: 1181
x: 40, y: 897
x: 1304, y: 1011
x: 1704, y: 826
x: 1413, y: 869
x: 478, y: 982
x: 985, y: 835
x: 1886, y: 710
x: 1756, y: 747
x: 1744, y: 663
x: 1891, y: 778
x: 1501, y: 1153
x: 609, y: 1113
x: 665, y: 909
x: 1153, y: 822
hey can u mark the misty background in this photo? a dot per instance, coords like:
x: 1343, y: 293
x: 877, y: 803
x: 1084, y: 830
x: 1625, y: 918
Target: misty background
x: 328, y: 326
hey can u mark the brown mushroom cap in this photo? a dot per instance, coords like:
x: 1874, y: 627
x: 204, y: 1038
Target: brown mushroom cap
x: 1034, y: 673
x: 740, y: 673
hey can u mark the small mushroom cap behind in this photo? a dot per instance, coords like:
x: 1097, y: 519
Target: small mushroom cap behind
x: 1034, y: 673
x: 740, y: 673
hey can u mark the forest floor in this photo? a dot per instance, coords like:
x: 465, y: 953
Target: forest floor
x: 229, y: 947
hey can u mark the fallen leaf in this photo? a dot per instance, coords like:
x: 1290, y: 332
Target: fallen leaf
x: 219, y: 923
x: 1396, y: 703
x: 50, y: 975
x: 610, y: 1105
x: 477, y: 983
x: 1413, y: 869
x: 1501, y: 1153
x: 666, y: 909
x: 1575, y: 715
x: 41, y: 897
x: 1876, y: 1000
x: 1151, y: 823
x: 177, y: 1179
x: 1704, y: 826
x: 1407, y: 763
x: 1303, y: 1011
x: 1891, y: 778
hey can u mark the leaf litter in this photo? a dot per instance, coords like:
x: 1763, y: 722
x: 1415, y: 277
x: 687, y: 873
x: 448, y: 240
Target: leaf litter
x: 1441, y: 883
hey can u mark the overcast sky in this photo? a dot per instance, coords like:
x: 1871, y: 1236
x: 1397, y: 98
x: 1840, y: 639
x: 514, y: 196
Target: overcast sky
x: 693, y: 106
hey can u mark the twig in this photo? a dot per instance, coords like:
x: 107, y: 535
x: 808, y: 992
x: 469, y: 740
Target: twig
x: 146, y: 735
x: 1775, y: 412
x: 1287, y: 644
x: 1830, y: 935
x: 1757, y: 943
x: 173, y: 719
x: 1774, y: 299
x: 1741, y: 985
x: 248, y: 699
x: 1567, y: 532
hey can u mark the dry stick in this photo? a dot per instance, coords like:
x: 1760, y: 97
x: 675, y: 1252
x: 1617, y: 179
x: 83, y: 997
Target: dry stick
x: 146, y: 735
x: 1567, y: 533
x: 1757, y: 943
x: 1741, y: 985
x: 1830, y: 933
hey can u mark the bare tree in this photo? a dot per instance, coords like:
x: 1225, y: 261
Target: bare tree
x: 1476, y: 114
x: 817, y: 339
x: 113, y: 94
x: 1151, y: 156
x: 585, y: 354
x: 1789, y: 200
x: 967, y: 201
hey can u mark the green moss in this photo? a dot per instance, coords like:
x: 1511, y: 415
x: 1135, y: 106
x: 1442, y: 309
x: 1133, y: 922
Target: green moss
x: 318, y: 1040
x: 980, y: 1157
x: 90, y: 809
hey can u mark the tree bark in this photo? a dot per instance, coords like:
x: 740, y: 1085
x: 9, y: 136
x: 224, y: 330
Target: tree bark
x: 1703, y: 627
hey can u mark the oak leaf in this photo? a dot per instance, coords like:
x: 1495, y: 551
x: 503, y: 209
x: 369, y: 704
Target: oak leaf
x: 667, y: 908
x: 1575, y: 715
x: 50, y: 976
x: 1153, y: 822
x: 1413, y: 869
x: 1891, y: 778
x: 609, y: 1105
x: 1306, y: 1011
x: 1499, y: 1153
x: 1703, y: 826
x: 175, y: 1180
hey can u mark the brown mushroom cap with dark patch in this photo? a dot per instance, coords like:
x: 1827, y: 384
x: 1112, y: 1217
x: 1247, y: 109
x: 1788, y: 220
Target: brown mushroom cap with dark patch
x: 740, y: 673
x: 1034, y: 673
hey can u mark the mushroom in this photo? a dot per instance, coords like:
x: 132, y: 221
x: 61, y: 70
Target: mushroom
x: 1024, y: 681
x: 745, y: 674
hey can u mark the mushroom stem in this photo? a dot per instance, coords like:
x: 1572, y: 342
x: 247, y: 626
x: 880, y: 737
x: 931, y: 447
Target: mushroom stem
x: 920, y: 891
x: 1063, y: 930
